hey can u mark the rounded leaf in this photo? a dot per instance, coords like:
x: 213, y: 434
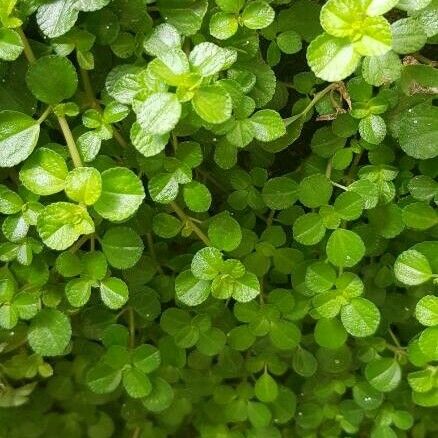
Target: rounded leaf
x: 345, y: 248
x: 84, y: 185
x: 360, y: 317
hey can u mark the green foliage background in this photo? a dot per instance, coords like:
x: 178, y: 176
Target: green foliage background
x: 218, y: 218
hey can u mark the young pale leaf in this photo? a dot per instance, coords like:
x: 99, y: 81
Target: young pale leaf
x: 147, y: 144
x: 57, y: 17
x: 159, y: 113
x: 331, y: 58
x: 18, y: 137
x: 207, y: 59
x: 63, y: 79
x: 44, y: 173
x: 49, y: 332
x: 122, y: 194
x: 267, y: 125
x: 78, y: 291
x: 62, y: 223
x: 257, y: 15
x: 426, y: 310
x: 84, y: 185
x: 213, y: 104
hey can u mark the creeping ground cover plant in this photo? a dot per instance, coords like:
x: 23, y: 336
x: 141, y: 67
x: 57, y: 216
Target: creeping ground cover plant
x: 218, y: 218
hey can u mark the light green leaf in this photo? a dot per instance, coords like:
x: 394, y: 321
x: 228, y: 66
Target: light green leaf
x: 331, y: 58
x: 315, y: 190
x: 122, y: 247
x: 207, y: 59
x: 207, y: 263
x: 257, y: 15
x: 428, y: 343
x: 280, y: 193
x: 103, y: 379
x: 61, y: 224
x: 426, y: 310
x: 78, y: 291
x: 8, y: 316
x: 11, y: 45
x: 146, y: 358
x: 267, y: 125
x: 246, y: 288
x: 412, y: 268
x: 383, y: 374
x: 57, y: 17
x: 84, y: 185
x: 376, y: 37
x: 384, y: 69
x: 190, y: 290
x: 10, y: 202
x: 49, y: 333
x: 420, y: 216
x: 147, y: 144
x: 408, y: 36
x: 320, y: 277
x: 90, y: 5
x: 213, y: 104
x: 122, y: 194
x: 159, y: 113
x: 18, y: 137
x: 163, y: 188
x: 114, y: 292
x: 360, y: 317
x: 44, y: 173
x: 164, y: 37
x: 63, y: 79
x: 372, y: 129
x: 345, y: 248
x: 330, y: 333
x: 223, y: 25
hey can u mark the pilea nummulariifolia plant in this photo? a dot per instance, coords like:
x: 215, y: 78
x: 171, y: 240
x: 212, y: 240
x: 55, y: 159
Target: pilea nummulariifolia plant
x: 218, y: 218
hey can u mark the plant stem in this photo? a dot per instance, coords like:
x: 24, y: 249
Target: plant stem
x: 28, y: 52
x: 152, y: 252
x: 316, y: 98
x: 131, y: 317
x: 44, y: 115
x: 187, y: 219
x: 74, y: 153
x: 339, y: 185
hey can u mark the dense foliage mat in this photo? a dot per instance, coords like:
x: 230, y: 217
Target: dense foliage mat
x: 218, y: 218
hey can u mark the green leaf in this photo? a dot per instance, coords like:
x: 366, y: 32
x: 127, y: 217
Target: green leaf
x: 84, y: 185
x: 213, y: 104
x: 61, y: 224
x: 78, y: 291
x: 372, y: 129
x: 159, y: 113
x: 408, y: 36
x: 380, y: 70
x: 18, y: 137
x: 11, y: 45
x: 412, y: 268
x: 428, y: 343
x: 418, y: 132
x: 207, y: 263
x: 44, y: 173
x: 289, y: 42
x: 360, y: 317
x: 315, y: 190
x: 122, y: 194
x: 185, y: 15
x: 265, y: 388
x: 8, y: 316
x: 163, y: 188
x: 197, y: 196
x: 331, y: 58
x: 103, y: 379
x: 57, y: 17
x: 257, y: 15
x: 349, y: 205
x: 330, y: 333
x: 309, y: 229
x: 420, y: 216
x: 284, y: 335
x: 230, y: 5
x: 224, y: 232
x: 426, y: 310
x: 190, y: 290
x: 267, y: 125
x: 114, y: 292
x: 165, y: 225
x: 136, y: 383
x: 90, y: 5
x: 245, y: 288
x: 161, y: 396
x: 383, y: 374
x: 122, y: 247
x: 280, y: 193
x: 320, y: 277
x: 63, y: 79
x: 345, y: 248
x: 146, y: 358
x: 49, y: 333
x: 10, y: 202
